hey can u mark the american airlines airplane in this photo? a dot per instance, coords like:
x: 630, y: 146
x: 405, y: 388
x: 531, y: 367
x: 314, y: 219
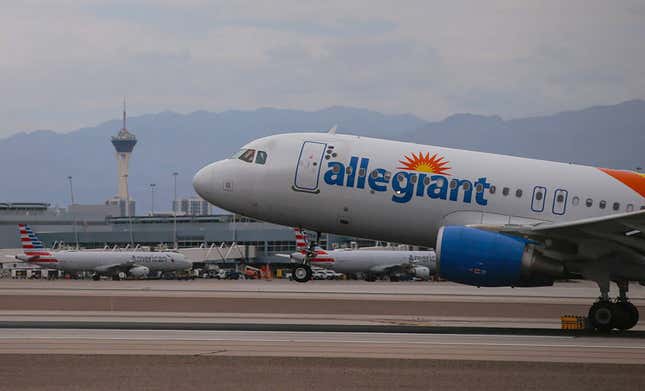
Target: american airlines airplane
x: 108, y: 263
x: 494, y: 220
x: 370, y: 262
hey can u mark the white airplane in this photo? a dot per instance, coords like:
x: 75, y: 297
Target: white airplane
x: 108, y: 263
x: 494, y: 220
x: 372, y: 263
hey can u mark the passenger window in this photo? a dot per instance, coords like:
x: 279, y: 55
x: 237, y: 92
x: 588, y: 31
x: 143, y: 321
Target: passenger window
x: 348, y: 170
x: 492, y: 189
x: 248, y: 155
x: 374, y: 174
x: 630, y: 207
x: 505, y: 191
x: 426, y: 181
x: 575, y: 201
x: 479, y: 188
x: 602, y: 204
x: 589, y: 202
x: 261, y: 158
x: 616, y: 206
x: 518, y: 193
x: 413, y: 178
x: 560, y: 198
x: 453, y: 184
x: 361, y: 172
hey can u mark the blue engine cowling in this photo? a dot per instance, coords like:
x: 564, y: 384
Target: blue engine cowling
x: 475, y: 257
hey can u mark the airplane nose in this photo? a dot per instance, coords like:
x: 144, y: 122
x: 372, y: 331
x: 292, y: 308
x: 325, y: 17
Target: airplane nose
x: 202, y: 181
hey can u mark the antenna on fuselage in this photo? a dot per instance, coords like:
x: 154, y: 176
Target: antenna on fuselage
x: 333, y: 130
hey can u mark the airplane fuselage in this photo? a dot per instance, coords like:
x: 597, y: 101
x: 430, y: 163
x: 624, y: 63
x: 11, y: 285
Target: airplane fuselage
x: 75, y: 261
x: 404, y: 192
x: 374, y: 261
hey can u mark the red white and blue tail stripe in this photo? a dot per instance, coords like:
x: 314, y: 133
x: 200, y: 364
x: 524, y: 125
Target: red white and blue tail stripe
x: 28, y: 238
x: 302, y: 245
x: 33, y: 247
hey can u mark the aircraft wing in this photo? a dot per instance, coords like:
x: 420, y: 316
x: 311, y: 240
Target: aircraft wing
x: 386, y: 268
x: 124, y: 266
x: 623, y: 232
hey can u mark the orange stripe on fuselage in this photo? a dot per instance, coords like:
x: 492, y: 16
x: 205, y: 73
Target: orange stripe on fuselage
x: 632, y: 179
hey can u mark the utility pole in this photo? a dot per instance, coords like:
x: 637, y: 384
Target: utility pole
x: 71, y: 194
x: 127, y: 208
x: 152, y: 196
x: 174, y: 209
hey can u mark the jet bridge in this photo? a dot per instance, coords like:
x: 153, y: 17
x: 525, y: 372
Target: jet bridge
x: 223, y: 253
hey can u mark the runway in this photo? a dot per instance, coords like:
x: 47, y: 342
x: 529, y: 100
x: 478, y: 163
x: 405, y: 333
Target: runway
x: 325, y: 335
x: 609, y: 350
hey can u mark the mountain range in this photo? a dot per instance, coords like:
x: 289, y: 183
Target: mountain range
x: 36, y: 164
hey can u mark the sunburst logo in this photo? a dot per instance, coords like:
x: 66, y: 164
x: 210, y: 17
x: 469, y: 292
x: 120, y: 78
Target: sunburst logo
x: 425, y: 163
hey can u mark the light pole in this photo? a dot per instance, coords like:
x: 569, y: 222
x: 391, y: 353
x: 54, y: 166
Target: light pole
x: 71, y: 195
x: 127, y: 210
x: 174, y: 209
x: 152, y: 196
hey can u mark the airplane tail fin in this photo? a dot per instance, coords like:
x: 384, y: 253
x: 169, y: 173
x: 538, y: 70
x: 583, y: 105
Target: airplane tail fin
x: 301, y: 240
x: 28, y: 238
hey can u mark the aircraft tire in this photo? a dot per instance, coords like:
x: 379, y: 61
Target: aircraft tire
x: 115, y: 277
x: 96, y: 277
x: 301, y: 273
x: 626, y: 315
x: 602, y: 316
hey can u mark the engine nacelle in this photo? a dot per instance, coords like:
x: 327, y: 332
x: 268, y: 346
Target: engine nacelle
x: 475, y: 257
x: 139, y: 271
x: 421, y: 272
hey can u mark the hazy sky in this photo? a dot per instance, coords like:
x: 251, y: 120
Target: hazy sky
x: 66, y: 64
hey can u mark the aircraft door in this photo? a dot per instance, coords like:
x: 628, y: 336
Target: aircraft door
x: 560, y: 201
x: 308, y: 169
x: 539, y: 199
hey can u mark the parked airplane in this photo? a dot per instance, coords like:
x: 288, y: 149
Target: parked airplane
x: 494, y: 220
x: 372, y: 263
x: 108, y: 263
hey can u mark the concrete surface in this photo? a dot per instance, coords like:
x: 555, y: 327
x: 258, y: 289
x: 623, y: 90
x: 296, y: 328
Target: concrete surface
x: 196, y: 373
x: 479, y: 354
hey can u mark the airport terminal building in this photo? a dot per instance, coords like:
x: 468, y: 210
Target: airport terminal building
x: 100, y: 226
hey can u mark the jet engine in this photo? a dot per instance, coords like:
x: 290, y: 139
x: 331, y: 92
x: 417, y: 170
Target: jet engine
x: 421, y: 272
x: 139, y: 271
x: 475, y: 257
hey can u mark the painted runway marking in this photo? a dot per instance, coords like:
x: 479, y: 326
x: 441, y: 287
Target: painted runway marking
x: 318, y: 340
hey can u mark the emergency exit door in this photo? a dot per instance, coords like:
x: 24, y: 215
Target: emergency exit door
x: 560, y: 199
x: 308, y: 169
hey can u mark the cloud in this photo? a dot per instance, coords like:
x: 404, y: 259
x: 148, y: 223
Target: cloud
x: 68, y: 64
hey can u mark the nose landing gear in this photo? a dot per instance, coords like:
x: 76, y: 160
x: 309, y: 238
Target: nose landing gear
x: 302, y: 271
x: 606, y: 315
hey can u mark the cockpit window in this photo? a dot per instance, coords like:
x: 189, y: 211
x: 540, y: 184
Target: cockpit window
x: 261, y: 157
x: 248, y: 155
x: 237, y: 154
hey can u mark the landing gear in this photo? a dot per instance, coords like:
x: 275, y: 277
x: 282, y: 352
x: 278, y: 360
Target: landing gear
x: 601, y: 316
x: 626, y: 315
x: 606, y: 315
x: 96, y: 277
x: 116, y: 277
x: 301, y: 273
